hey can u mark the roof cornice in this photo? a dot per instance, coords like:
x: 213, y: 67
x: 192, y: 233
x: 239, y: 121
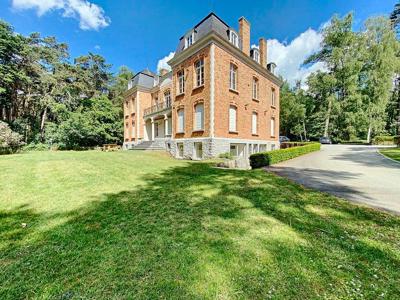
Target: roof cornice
x: 213, y: 37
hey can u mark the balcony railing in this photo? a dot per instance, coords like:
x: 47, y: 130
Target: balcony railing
x: 158, y: 107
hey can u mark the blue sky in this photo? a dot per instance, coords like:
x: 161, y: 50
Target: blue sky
x: 140, y: 33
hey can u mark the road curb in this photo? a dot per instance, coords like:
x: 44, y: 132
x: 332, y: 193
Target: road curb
x: 383, y: 155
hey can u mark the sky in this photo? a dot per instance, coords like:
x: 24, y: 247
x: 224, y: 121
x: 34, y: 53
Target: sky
x: 144, y: 34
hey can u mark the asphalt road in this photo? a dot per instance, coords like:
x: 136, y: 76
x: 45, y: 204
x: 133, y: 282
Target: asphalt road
x: 356, y: 173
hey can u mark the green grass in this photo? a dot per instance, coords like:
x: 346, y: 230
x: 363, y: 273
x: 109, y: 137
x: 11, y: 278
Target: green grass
x: 393, y: 153
x: 141, y: 225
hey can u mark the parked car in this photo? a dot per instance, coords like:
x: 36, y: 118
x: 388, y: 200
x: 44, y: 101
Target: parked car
x: 325, y: 140
x: 283, y: 139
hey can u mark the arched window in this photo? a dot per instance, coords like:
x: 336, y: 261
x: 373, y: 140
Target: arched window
x: 233, y: 77
x: 232, y: 118
x: 181, y: 121
x: 255, y: 88
x: 199, y: 116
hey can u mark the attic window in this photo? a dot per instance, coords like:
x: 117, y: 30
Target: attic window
x: 189, y: 40
x: 255, y: 54
x: 233, y: 38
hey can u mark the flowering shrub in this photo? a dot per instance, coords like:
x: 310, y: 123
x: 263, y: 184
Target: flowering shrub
x: 8, y: 138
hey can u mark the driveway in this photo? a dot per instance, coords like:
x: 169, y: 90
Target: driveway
x: 356, y: 173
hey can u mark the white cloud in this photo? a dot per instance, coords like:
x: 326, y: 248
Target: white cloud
x: 97, y: 47
x: 162, y: 63
x: 90, y: 15
x: 290, y: 57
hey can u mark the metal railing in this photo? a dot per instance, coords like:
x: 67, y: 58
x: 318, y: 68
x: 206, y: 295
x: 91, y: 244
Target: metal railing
x: 158, y: 107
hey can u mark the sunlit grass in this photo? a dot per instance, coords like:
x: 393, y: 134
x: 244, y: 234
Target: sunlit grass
x: 142, y: 225
x: 391, y: 153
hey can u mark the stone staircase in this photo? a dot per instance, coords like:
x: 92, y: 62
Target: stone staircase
x: 151, y: 145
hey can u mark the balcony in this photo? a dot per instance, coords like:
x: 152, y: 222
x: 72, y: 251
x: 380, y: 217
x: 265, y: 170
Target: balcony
x: 157, y: 108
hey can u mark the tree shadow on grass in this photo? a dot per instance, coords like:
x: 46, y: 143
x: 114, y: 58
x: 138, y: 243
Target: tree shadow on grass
x: 196, y: 232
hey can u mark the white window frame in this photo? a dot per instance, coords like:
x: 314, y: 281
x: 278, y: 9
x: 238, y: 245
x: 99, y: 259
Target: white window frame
x: 232, y: 125
x: 189, y: 40
x: 254, y: 124
x: 181, y: 124
x: 198, y: 123
x: 256, y: 55
x: 199, y: 68
x: 233, y: 74
x: 234, y: 38
x: 181, y: 82
x: 255, y: 89
x: 272, y: 124
x: 167, y: 97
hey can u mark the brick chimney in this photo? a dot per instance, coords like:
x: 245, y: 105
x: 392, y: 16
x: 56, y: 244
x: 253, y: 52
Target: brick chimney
x: 163, y: 71
x: 244, y: 35
x: 262, y: 43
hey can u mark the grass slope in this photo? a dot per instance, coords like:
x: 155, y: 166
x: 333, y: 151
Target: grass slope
x: 393, y: 153
x: 141, y: 225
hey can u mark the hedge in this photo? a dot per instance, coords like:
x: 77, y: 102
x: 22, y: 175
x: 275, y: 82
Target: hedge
x: 385, y: 140
x: 262, y: 159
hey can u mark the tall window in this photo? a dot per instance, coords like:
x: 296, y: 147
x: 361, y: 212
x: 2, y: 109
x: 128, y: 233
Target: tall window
x: 199, y: 117
x: 232, y: 118
x: 233, y: 37
x: 273, y: 97
x: 199, y: 67
x: 233, y: 77
x: 255, y: 88
x: 181, y: 82
x: 167, y: 98
x: 254, y: 121
x: 272, y: 126
x: 181, y: 120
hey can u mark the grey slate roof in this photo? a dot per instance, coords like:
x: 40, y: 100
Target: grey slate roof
x: 148, y: 79
x: 210, y: 23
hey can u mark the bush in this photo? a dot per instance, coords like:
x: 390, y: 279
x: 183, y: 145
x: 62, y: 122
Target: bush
x: 36, y: 147
x: 262, y: 159
x: 397, y: 140
x: 384, y: 140
x: 226, y: 155
x: 10, y: 141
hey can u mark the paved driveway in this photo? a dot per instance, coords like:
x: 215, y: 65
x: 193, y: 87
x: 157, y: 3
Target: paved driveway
x: 357, y: 173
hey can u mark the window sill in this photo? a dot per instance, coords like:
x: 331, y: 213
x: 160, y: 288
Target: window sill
x: 254, y: 134
x: 198, y: 87
x: 234, y: 91
x: 273, y: 106
x: 256, y: 100
x: 180, y: 132
x: 198, y: 130
x: 181, y: 94
x: 233, y: 132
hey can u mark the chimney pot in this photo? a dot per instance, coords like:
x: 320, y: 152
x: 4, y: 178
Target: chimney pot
x: 262, y: 43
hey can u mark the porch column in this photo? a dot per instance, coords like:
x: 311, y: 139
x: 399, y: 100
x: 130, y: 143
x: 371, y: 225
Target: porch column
x: 152, y: 129
x: 165, y: 125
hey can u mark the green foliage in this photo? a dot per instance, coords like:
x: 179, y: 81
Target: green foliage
x: 259, y: 160
x: 48, y: 99
x: 9, y: 138
x: 226, y: 155
x: 385, y: 140
x: 35, y: 147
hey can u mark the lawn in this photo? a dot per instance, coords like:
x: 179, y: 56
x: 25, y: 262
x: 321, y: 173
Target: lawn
x: 393, y: 153
x: 140, y: 225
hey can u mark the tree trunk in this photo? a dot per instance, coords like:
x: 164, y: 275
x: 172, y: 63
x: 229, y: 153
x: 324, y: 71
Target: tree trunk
x: 305, y: 131
x: 328, y: 115
x: 44, y: 116
x: 369, y: 134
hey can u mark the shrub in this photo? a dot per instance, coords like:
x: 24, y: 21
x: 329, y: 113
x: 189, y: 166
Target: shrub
x: 397, y: 140
x: 262, y: 159
x: 226, y: 155
x: 384, y: 140
x: 10, y: 141
x: 36, y: 147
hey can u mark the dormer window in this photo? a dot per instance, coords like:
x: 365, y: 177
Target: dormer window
x: 255, y: 54
x: 189, y: 40
x: 233, y: 38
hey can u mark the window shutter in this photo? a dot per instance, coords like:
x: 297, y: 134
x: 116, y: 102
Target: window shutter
x: 199, y: 120
x: 180, y: 120
x: 254, y: 123
x: 232, y: 118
